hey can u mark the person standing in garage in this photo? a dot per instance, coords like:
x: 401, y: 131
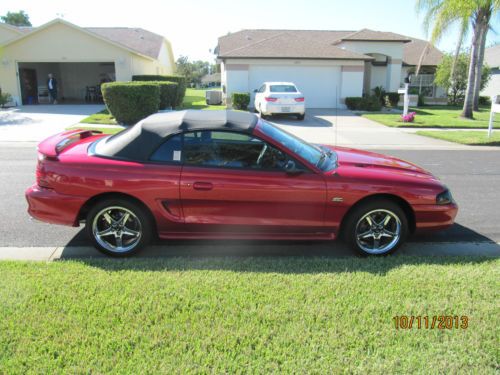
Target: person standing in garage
x: 52, y: 87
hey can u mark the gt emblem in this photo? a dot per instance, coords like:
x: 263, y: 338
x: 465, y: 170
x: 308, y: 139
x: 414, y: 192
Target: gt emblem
x: 337, y: 199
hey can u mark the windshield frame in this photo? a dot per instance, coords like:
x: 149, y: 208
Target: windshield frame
x: 317, y: 162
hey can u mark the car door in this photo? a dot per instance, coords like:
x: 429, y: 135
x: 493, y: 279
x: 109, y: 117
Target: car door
x: 238, y: 182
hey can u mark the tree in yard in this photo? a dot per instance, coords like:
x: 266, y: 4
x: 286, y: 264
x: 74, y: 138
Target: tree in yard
x: 475, y: 14
x: 20, y: 18
x: 458, y: 67
x: 192, y: 70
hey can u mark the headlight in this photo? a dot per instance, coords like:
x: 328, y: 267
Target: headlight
x: 444, y: 198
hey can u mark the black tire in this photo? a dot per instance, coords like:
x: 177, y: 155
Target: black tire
x: 138, y: 221
x: 301, y: 117
x: 357, y: 224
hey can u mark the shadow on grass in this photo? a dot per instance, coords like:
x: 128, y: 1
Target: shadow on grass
x: 276, y: 256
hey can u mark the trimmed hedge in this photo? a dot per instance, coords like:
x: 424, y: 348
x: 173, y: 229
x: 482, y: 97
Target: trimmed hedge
x: 240, y: 100
x: 368, y: 103
x: 392, y: 99
x: 180, y: 80
x: 130, y: 102
x: 168, y: 93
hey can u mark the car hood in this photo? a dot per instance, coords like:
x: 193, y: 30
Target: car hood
x: 348, y: 157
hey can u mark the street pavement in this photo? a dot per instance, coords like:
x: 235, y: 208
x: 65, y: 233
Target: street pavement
x: 472, y: 176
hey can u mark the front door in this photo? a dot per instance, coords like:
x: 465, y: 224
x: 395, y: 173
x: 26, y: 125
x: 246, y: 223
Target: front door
x: 236, y: 182
x: 29, y: 86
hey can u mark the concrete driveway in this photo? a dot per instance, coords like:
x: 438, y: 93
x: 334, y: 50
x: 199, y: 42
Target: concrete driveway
x: 343, y: 128
x: 37, y: 122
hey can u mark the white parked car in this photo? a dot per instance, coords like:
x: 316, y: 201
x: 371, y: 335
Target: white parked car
x: 279, y: 97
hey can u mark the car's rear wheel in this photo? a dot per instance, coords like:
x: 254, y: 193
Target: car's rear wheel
x: 301, y: 117
x: 378, y: 227
x: 118, y: 227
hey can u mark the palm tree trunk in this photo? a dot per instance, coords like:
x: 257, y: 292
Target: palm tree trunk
x: 467, y: 111
x: 463, y: 31
x: 479, y: 66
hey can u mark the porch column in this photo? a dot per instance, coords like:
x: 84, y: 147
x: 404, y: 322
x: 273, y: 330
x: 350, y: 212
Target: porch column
x: 393, y: 74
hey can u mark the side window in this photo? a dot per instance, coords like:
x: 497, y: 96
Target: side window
x: 169, y: 151
x: 231, y: 150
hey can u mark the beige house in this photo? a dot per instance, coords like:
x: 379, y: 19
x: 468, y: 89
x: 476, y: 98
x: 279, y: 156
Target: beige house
x: 327, y: 66
x: 80, y: 59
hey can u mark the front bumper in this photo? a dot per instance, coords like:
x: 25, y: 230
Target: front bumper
x: 435, y: 217
x: 272, y: 108
x: 51, y: 207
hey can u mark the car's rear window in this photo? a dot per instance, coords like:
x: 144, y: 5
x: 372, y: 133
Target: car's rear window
x: 283, y: 88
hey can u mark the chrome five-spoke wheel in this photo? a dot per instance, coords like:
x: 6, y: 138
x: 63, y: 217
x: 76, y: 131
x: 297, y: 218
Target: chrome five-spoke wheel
x: 377, y: 227
x: 118, y: 227
x: 378, y: 231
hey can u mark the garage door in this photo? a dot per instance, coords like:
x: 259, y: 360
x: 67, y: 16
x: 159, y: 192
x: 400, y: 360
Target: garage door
x: 319, y: 84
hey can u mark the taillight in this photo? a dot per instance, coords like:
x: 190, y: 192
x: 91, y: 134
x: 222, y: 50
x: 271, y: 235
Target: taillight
x: 299, y: 99
x: 270, y: 99
x: 42, y: 179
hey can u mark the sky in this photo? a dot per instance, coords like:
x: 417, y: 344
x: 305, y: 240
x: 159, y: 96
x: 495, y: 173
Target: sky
x: 193, y: 26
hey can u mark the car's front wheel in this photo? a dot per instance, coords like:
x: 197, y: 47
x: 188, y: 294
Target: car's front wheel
x: 118, y: 227
x: 378, y: 227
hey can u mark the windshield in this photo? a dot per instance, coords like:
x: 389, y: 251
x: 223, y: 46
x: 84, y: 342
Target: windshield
x: 321, y: 157
x: 282, y: 88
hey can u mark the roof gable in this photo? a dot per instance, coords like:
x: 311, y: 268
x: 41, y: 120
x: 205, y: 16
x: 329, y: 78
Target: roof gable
x: 145, y: 43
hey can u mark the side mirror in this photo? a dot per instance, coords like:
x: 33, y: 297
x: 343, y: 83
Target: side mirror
x: 255, y: 91
x: 291, y: 168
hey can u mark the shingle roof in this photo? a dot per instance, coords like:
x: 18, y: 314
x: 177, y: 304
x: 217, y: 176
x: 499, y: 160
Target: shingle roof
x: 286, y: 44
x: 371, y: 35
x: 413, y: 51
x: 143, y: 41
x: 492, y: 56
x: 316, y: 44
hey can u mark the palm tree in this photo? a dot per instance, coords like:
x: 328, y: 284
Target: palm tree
x: 442, y: 14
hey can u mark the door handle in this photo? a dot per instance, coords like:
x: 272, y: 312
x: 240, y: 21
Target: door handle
x: 203, y: 186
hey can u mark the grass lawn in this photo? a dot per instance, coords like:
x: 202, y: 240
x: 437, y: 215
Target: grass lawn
x: 102, y: 117
x: 471, y: 137
x: 253, y: 315
x: 195, y: 99
x: 437, y: 117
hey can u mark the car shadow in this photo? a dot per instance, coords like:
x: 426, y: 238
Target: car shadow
x: 456, y: 245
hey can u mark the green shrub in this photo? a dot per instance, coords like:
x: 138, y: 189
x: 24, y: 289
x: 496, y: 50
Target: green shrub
x: 368, y: 103
x: 130, y: 102
x: 240, y: 100
x: 484, y: 100
x: 379, y: 92
x: 168, y: 93
x: 371, y: 103
x: 353, y: 102
x: 4, y: 98
x: 391, y: 99
x: 180, y: 80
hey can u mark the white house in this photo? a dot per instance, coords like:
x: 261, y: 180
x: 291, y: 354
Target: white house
x: 492, y: 58
x: 78, y: 57
x: 327, y: 66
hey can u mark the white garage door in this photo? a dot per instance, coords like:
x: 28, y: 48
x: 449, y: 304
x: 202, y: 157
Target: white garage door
x: 319, y: 84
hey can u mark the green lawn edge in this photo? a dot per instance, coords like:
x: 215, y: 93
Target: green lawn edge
x: 472, y: 138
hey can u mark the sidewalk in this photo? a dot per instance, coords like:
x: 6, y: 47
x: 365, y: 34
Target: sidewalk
x: 33, y: 123
x: 334, y: 249
x: 343, y: 128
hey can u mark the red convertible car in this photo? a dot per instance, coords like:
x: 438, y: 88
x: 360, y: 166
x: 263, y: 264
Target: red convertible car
x: 224, y: 174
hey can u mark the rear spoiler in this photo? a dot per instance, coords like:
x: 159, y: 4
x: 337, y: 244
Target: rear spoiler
x: 55, y: 144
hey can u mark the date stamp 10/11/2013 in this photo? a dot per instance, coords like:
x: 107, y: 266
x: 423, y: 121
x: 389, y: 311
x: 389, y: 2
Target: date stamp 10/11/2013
x: 431, y: 322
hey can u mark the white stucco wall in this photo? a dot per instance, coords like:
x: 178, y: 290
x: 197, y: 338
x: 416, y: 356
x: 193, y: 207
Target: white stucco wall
x: 493, y: 87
